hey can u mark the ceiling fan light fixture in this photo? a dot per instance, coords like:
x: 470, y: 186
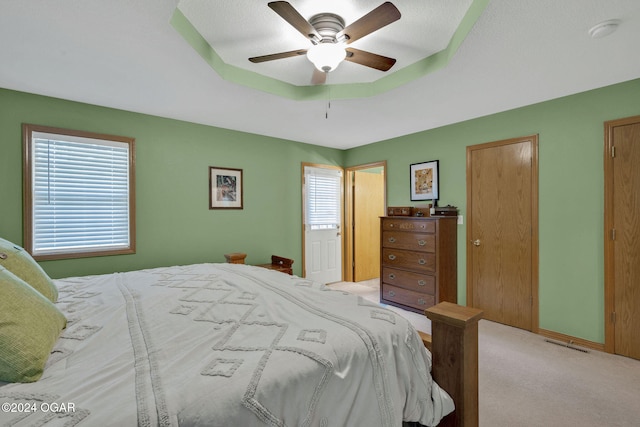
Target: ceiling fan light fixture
x: 327, y: 56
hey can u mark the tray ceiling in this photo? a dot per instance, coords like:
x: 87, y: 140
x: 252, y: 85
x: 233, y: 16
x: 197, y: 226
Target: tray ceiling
x: 235, y: 32
x: 126, y: 54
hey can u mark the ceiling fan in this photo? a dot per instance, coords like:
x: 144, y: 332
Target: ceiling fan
x: 329, y: 36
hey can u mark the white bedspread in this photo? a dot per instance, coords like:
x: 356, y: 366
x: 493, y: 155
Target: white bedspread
x: 226, y: 345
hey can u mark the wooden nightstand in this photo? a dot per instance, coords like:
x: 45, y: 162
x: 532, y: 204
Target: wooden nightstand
x: 280, y: 264
x: 235, y: 257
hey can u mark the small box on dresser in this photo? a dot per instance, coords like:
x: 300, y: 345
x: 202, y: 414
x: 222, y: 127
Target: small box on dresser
x: 418, y: 265
x: 399, y: 210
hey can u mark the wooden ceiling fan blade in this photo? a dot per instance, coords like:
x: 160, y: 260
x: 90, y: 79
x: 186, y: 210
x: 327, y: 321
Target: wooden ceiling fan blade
x: 318, y: 77
x: 368, y: 59
x: 379, y: 17
x: 281, y: 55
x: 297, y: 21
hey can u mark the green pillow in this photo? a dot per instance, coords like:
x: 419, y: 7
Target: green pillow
x: 29, y: 327
x: 19, y: 262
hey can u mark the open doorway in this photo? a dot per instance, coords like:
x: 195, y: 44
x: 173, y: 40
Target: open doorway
x: 365, y: 201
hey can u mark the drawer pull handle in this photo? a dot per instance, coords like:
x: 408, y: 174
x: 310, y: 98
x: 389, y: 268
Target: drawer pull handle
x: 421, y: 301
x: 421, y: 283
x: 392, y: 257
x: 392, y: 276
x: 392, y: 294
x: 422, y: 261
x: 392, y: 239
x: 421, y: 242
x: 391, y: 225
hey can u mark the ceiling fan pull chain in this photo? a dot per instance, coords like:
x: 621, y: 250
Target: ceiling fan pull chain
x: 326, y: 111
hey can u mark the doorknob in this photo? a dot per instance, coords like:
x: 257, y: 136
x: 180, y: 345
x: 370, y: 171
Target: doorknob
x: 476, y: 242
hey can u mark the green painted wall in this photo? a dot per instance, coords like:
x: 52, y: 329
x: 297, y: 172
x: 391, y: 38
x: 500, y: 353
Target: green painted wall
x: 176, y: 227
x: 174, y: 224
x: 571, y: 192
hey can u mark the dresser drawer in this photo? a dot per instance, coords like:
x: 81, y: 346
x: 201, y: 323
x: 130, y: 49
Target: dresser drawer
x: 410, y: 241
x: 407, y: 297
x: 416, y: 261
x: 423, y: 283
x: 420, y: 225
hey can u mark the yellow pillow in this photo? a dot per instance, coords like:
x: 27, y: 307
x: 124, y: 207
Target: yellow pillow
x: 19, y: 262
x: 29, y: 327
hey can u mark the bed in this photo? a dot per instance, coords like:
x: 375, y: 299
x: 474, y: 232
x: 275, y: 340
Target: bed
x: 235, y: 345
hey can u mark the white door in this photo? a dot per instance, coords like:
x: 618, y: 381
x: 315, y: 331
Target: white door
x: 322, y: 207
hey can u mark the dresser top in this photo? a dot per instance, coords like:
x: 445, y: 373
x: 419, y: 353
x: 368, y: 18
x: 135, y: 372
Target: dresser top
x: 419, y: 218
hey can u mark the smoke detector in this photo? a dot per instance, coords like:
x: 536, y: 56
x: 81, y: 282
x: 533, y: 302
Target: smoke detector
x: 604, y: 28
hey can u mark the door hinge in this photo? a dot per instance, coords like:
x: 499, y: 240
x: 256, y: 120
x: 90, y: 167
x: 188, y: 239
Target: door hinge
x: 613, y: 234
x: 613, y: 151
x: 613, y: 317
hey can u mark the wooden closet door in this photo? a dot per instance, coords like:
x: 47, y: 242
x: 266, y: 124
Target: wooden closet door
x: 622, y: 248
x: 368, y: 207
x: 502, y: 231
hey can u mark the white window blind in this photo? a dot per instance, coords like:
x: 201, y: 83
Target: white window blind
x: 323, y: 188
x: 80, y: 194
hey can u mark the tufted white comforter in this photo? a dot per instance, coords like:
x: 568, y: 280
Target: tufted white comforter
x: 226, y: 345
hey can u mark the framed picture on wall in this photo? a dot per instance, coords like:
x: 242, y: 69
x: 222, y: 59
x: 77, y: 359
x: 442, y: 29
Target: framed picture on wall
x: 225, y: 188
x: 424, y: 180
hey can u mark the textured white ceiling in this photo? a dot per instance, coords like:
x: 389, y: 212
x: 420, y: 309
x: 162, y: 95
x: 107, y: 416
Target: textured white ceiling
x: 125, y: 54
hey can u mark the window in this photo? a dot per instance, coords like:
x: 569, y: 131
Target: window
x: 323, y: 198
x: 79, y: 192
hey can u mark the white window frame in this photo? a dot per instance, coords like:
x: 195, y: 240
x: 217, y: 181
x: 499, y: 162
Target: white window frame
x: 121, y: 238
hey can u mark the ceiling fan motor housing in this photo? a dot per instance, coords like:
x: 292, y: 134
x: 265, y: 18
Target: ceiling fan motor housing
x: 326, y: 54
x: 327, y: 25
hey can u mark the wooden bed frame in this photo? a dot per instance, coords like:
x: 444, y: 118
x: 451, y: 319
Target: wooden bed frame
x: 454, y: 349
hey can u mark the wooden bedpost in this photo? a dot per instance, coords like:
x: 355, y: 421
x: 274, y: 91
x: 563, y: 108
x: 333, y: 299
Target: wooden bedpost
x: 454, y: 350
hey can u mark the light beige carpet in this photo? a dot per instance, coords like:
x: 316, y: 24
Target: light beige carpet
x: 526, y: 381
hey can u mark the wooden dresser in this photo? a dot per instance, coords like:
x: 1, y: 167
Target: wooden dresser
x: 418, y: 261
